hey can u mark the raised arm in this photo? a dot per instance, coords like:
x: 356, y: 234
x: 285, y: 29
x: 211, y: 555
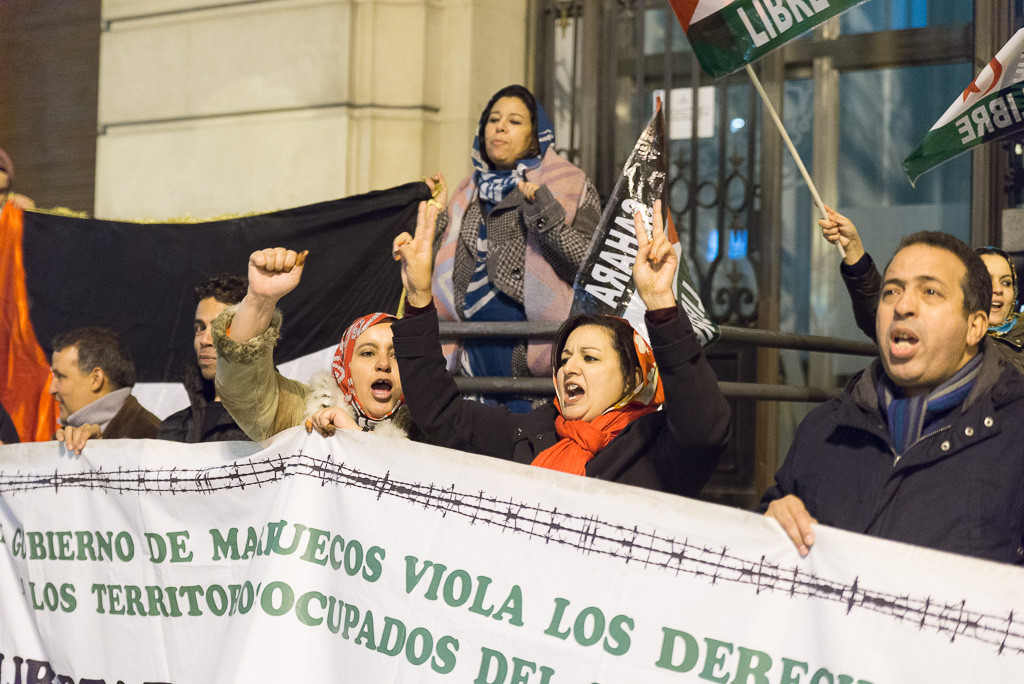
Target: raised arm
x: 430, y: 390
x: 273, y: 273
x: 862, y: 280
x: 261, y: 401
x: 416, y: 252
x: 654, y: 268
x: 697, y: 413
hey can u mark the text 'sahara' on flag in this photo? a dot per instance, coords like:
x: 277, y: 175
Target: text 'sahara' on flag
x: 991, y: 107
x: 726, y: 34
x: 63, y: 272
x: 604, y: 284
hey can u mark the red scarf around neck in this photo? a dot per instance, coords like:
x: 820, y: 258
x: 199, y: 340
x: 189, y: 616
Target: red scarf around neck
x: 582, y: 440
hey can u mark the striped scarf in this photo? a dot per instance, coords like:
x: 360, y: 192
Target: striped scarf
x: 546, y: 297
x: 910, y: 418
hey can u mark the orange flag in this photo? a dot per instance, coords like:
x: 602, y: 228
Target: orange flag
x: 25, y: 374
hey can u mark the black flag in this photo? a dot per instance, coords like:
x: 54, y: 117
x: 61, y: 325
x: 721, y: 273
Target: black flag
x: 138, y: 278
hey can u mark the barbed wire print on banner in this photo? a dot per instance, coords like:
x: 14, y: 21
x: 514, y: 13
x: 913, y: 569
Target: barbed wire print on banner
x: 585, y: 533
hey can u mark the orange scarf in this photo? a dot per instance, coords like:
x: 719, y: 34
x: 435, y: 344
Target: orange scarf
x: 582, y: 440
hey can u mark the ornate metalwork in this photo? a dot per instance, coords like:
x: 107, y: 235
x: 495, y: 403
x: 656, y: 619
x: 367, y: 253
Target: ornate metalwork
x: 713, y: 188
x: 728, y: 283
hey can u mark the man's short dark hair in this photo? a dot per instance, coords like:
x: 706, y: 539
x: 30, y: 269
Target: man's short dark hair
x: 976, y: 284
x: 100, y: 348
x: 225, y: 288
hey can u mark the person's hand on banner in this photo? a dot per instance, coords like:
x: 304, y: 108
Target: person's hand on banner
x: 75, y: 438
x: 654, y: 269
x: 791, y: 513
x: 327, y: 420
x: 417, y: 256
x: 840, y: 230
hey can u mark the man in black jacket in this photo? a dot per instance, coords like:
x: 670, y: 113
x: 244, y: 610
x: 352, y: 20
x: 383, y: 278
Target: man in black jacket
x: 206, y: 419
x: 925, y: 445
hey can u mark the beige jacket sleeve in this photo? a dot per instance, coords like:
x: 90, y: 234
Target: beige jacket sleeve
x: 262, y: 401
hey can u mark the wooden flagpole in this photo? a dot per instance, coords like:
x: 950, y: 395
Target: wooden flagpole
x: 792, y: 149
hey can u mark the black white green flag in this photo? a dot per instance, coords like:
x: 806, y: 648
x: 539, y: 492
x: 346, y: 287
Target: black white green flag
x: 990, y: 108
x: 727, y: 34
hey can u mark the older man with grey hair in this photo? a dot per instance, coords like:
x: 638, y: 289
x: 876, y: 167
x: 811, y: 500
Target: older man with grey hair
x: 93, y: 376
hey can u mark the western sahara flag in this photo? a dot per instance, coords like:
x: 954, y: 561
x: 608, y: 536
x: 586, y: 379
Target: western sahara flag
x: 726, y: 34
x: 991, y: 107
x: 61, y: 272
x: 604, y: 284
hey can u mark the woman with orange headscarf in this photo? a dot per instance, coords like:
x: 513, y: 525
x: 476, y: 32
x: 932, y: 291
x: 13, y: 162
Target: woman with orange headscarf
x: 609, y: 384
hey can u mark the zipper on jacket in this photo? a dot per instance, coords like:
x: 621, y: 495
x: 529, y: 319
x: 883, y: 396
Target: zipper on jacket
x: 916, y: 442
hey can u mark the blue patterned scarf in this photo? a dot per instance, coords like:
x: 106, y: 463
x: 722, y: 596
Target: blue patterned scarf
x: 494, y: 184
x: 910, y: 418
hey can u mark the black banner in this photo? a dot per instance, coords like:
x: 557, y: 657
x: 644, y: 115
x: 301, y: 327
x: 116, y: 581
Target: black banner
x: 138, y: 279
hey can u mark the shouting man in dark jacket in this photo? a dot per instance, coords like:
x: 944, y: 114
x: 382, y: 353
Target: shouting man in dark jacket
x: 206, y: 419
x: 926, y: 446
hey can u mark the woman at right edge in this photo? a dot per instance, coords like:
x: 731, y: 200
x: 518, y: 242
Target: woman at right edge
x: 604, y: 422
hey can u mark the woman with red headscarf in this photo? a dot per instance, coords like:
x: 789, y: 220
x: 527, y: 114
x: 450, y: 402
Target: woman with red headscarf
x: 362, y: 390
x: 609, y: 384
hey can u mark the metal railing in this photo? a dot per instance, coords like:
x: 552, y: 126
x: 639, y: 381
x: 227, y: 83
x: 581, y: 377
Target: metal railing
x: 730, y: 335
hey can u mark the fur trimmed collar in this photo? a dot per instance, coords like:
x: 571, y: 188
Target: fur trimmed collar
x: 324, y: 392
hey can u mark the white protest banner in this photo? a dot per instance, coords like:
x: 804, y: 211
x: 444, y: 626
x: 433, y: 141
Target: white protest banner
x: 364, y: 559
x: 988, y: 109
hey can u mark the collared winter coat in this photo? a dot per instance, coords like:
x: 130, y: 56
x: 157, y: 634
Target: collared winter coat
x: 960, y: 488
x: 132, y: 421
x: 203, y: 420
